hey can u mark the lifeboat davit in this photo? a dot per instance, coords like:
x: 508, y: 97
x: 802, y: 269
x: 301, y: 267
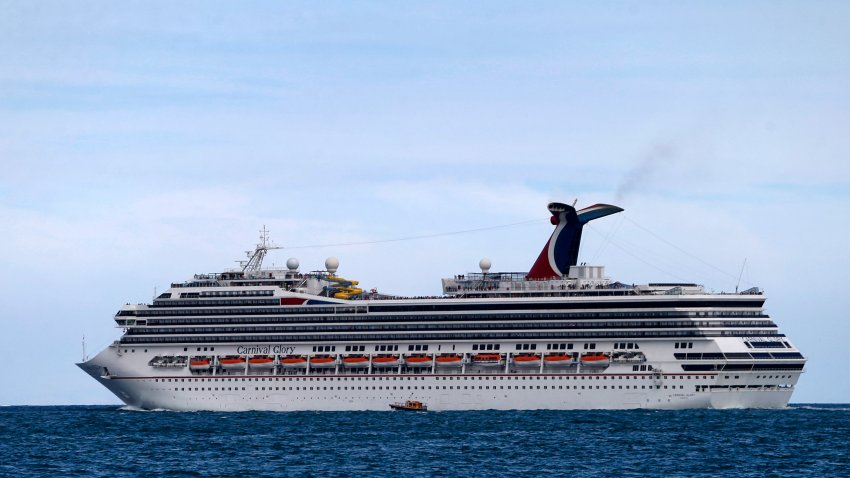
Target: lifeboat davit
x: 232, y: 363
x: 261, y: 361
x: 418, y: 361
x: 595, y: 361
x: 487, y: 360
x: 527, y: 361
x: 449, y: 361
x: 385, y: 362
x: 293, y: 362
x: 199, y: 364
x: 558, y: 360
x: 355, y: 361
x: 322, y: 362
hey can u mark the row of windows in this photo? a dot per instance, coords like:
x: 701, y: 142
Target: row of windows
x: 355, y: 348
x: 448, y: 377
x: 417, y: 348
x: 459, y: 336
x: 526, y: 346
x: 738, y: 355
x: 437, y: 387
x: 392, y: 327
x: 386, y: 348
x: 741, y: 367
x: 684, y: 345
x: 625, y: 346
x: 559, y: 346
x: 486, y: 346
x: 324, y: 348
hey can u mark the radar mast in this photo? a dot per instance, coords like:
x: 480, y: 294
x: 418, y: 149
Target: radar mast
x: 255, y: 258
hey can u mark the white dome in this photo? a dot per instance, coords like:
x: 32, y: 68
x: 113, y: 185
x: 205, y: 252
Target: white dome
x: 292, y: 264
x: 331, y: 264
x: 485, y: 265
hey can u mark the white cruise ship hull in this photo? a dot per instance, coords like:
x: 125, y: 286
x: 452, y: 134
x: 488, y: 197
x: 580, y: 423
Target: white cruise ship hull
x: 617, y: 388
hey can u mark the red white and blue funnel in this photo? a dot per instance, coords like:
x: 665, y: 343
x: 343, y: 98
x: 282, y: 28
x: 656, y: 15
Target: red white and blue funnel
x: 561, y: 251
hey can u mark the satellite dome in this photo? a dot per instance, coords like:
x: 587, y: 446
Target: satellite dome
x: 332, y: 264
x: 485, y: 265
x: 292, y: 264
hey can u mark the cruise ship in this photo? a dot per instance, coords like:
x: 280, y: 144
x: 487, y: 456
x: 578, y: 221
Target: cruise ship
x: 560, y: 336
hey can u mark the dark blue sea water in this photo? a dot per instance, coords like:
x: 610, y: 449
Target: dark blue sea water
x: 803, y: 440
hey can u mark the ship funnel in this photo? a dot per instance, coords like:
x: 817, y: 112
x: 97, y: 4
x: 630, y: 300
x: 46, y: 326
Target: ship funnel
x: 561, y: 251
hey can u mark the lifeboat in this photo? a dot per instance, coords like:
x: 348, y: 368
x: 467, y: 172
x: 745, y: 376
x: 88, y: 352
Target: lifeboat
x: 355, y: 361
x: 527, y: 361
x: 487, y: 360
x: 198, y: 363
x: 418, y: 361
x: 558, y: 360
x: 449, y: 361
x: 385, y: 362
x: 261, y: 361
x: 322, y: 362
x: 595, y: 361
x: 232, y: 362
x: 293, y: 362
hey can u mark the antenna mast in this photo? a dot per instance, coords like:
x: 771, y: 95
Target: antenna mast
x: 741, y: 275
x: 255, y: 259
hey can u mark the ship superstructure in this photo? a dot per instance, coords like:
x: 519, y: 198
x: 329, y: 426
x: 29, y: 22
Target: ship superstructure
x: 560, y: 336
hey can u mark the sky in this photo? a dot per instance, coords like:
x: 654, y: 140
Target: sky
x: 143, y: 142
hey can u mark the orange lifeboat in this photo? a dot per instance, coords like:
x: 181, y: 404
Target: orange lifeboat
x: 232, y: 362
x: 558, y: 360
x: 418, y: 361
x: 322, y: 362
x: 599, y: 360
x: 261, y: 361
x: 293, y: 361
x: 449, y: 361
x: 385, y: 362
x: 355, y: 361
x: 487, y: 360
x: 527, y: 360
x: 199, y: 363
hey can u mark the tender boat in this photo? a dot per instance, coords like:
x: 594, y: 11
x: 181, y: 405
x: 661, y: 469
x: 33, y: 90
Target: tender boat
x: 449, y: 361
x: 487, y: 360
x: 232, y: 363
x: 322, y: 362
x: 595, y: 360
x: 385, y: 362
x: 527, y: 360
x: 558, y: 360
x: 355, y: 361
x: 261, y: 362
x: 418, y: 361
x: 293, y: 362
x: 410, y: 406
x: 199, y: 363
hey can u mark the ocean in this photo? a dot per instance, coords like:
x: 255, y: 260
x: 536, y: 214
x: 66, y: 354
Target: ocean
x: 110, y: 441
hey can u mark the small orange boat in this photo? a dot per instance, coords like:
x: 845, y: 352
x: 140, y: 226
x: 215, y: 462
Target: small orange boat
x: 527, y: 360
x: 199, y: 364
x: 323, y: 362
x: 418, y: 361
x: 385, y: 362
x: 558, y: 360
x: 293, y: 362
x: 487, y: 360
x: 355, y: 361
x: 232, y: 362
x: 261, y: 361
x: 449, y: 361
x: 410, y: 406
x: 595, y: 360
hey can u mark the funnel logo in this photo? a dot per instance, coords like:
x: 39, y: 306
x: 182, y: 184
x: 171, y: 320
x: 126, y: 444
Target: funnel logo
x: 561, y: 251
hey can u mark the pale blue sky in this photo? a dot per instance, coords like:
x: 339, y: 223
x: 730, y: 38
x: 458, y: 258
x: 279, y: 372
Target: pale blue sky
x: 142, y: 143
